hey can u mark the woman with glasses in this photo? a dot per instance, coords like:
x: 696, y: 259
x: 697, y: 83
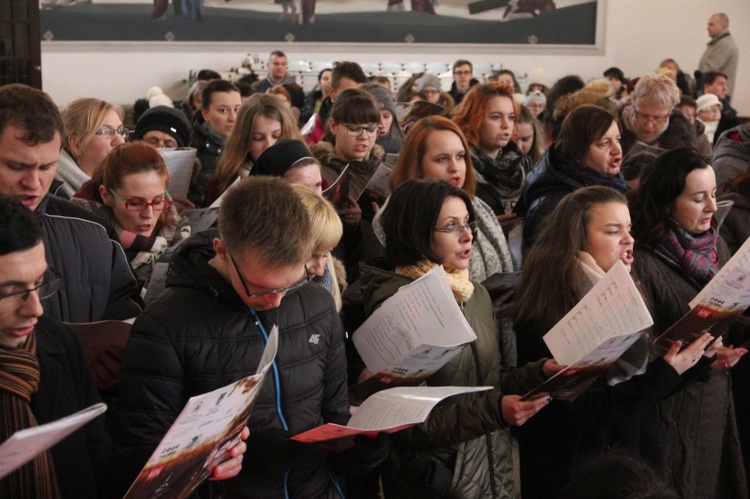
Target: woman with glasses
x: 353, y: 128
x: 464, y: 448
x: 652, y: 119
x: 586, y: 235
x: 487, y: 117
x: 587, y: 152
x: 130, y: 190
x: 93, y: 128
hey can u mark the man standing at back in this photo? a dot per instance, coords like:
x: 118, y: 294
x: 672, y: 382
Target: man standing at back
x: 463, y: 79
x: 97, y: 282
x: 722, y: 54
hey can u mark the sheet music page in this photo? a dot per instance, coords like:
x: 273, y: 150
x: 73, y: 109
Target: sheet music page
x: 179, y: 163
x: 613, y: 307
x: 740, y: 259
x: 423, y: 312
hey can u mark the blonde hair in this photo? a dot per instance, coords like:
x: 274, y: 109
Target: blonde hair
x: 83, y: 117
x: 326, y: 228
x: 324, y: 220
x: 656, y: 89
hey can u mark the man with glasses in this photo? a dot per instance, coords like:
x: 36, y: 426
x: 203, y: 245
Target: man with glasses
x: 43, y: 375
x: 652, y: 119
x: 225, y: 293
x: 463, y: 79
x: 97, y: 283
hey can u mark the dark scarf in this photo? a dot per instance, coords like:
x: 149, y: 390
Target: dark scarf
x: 505, y: 173
x: 588, y: 176
x: 693, y: 254
x: 19, y: 379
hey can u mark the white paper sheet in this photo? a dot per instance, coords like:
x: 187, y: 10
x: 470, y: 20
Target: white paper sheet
x: 423, y: 312
x: 179, y: 163
x: 613, y: 307
x: 388, y: 410
x: 25, y: 445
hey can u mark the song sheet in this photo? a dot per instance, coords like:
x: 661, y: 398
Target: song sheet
x: 613, y: 307
x: 179, y: 163
x: 25, y: 445
x: 389, y: 411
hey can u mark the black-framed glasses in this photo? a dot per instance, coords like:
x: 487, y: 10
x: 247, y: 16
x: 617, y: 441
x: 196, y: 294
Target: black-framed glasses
x: 108, y: 131
x: 44, y: 290
x: 356, y: 130
x: 303, y: 280
x: 140, y: 205
x: 458, y: 229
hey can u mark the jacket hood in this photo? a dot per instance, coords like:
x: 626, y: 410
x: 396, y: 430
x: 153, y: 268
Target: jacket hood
x: 323, y: 152
x: 189, y: 268
x: 735, y: 142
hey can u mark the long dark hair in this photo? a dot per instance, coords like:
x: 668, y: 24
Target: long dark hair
x: 661, y: 183
x: 551, y: 272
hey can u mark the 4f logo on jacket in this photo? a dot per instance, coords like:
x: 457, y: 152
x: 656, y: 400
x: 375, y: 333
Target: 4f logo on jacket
x: 314, y: 339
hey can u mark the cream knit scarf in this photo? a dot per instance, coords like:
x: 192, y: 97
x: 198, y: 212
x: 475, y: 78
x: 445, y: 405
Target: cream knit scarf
x: 459, y: 279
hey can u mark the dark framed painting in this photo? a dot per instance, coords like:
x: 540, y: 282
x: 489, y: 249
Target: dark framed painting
x: 346, y: 23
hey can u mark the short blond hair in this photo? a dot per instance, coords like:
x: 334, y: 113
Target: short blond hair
x: 657, y: 89
x: 325, y: 222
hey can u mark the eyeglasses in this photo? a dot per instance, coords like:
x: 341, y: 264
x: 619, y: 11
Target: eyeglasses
x: 158, y: 143
x: 108, y: 131
x: 356, y: 130
x: 261, y: 294
x: 430, y: 91
x: 140, y: 205
x: 659, y: 120
x: 44, y: 290
x: 462, y: 73
x: 458, y: 229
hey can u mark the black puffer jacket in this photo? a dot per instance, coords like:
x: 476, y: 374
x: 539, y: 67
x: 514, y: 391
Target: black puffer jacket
x: 97, y: 282
x: 199, y: 336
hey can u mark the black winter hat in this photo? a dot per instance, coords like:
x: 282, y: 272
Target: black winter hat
x: 280, y: 157
x: 164, y: 119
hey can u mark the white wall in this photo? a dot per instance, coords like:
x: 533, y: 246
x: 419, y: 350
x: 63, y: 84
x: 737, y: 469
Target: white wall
x: 638, y: 35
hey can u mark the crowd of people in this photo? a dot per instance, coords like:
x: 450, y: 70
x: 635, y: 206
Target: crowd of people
x: 558, y: 182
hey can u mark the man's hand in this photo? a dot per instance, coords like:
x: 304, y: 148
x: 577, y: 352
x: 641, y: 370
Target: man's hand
x: 232, y: 466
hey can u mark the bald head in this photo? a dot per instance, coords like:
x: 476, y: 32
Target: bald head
x: 717, y: 23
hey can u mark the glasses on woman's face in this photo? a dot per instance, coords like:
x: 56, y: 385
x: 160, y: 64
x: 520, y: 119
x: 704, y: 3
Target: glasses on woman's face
x: 140, y: 204
x: 458, y: 229
x: 356, y: 130
x: 48, y: 288
x: 645, y: 118
x: 108, y: 131
x: 261, y: 294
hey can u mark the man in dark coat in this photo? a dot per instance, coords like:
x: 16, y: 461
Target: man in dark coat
x: 225, y: 292
x: 96, y: 281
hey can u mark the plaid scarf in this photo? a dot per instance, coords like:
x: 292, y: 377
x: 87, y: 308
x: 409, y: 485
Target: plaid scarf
x: 19, y: 379
x: 693, y: 254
